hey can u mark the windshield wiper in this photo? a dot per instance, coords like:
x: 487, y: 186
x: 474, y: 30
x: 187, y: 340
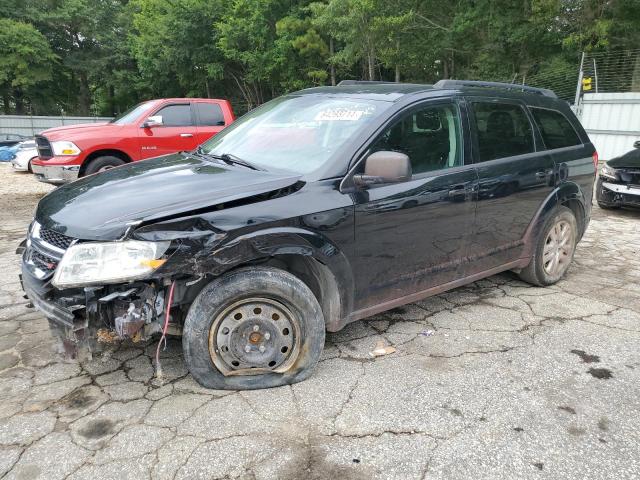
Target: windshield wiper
x: 232, y: 159
x: 227, y: 158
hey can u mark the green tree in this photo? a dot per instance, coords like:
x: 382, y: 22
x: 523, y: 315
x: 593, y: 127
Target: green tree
x: 26, y: 60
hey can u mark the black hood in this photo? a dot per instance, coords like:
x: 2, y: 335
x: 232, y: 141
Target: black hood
x: 104, y: 206
x: 628, y: 160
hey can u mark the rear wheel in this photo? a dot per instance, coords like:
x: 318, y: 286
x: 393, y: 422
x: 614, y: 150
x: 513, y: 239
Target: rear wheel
x: 100, y: 164
x: 253, y: 328
x: 554, y: 249
x: 29, y: 164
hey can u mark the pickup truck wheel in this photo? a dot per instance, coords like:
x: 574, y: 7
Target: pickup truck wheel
x: 100, y: 164
x: 253, y: 328
x: 554, y: 250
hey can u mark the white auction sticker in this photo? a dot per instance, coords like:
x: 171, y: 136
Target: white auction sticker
x: 339, y: 114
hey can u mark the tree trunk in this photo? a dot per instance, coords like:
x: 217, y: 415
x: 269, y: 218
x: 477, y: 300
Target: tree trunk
x: 6, y: 103
x: 17, y: 97
x: 397, y: 64
x: 206, y: 84
x: 372, y: 65
x: 111, y: 108
x: 84, y: 96
x: 332, y: 66
x: 635, y: 79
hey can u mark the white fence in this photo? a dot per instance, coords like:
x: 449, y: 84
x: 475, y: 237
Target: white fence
x: 612, y: 121
x: 31, y: 125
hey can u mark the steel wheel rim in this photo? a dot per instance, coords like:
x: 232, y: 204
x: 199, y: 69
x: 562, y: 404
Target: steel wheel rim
x: 558, y: 248
x: 254, y: 336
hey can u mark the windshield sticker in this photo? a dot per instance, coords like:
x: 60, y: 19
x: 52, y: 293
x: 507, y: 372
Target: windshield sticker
x: 339, y: 115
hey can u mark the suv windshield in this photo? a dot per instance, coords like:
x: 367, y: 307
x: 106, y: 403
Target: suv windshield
x: 133, y: 113
x: 298, y: 134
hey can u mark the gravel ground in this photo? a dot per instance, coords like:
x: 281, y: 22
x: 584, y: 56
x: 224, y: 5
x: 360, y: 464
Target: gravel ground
x: 495, y: 380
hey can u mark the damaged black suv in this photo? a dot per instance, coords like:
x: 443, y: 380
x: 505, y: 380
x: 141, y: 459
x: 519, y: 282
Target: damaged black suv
x: 317, y: 209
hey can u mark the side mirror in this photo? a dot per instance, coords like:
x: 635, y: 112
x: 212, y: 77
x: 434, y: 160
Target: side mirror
x: 636, y: 144
x: 153, y: 121
x: 385, y: 167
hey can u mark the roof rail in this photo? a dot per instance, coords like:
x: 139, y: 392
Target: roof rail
x: 505, y: 86
x: 362, y: 82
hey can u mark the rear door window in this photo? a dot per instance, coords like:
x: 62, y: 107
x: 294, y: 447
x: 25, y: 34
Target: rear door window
x: 209, y: 114
x: 176, y: 115
x: 503, y: 130
x: 556, y: 130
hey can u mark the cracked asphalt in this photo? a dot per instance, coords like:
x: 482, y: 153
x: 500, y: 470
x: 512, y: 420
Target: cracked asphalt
x: 495, y: 380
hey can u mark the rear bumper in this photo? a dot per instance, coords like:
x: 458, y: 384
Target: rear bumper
x: 55, y: 174
x: 616, y: 194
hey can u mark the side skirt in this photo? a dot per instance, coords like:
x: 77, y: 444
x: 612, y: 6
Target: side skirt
x: 388, y: 305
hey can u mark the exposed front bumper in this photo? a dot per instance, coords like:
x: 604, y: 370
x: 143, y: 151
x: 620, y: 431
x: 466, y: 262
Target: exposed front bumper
x: 617, y: 194
x: 56, y: 174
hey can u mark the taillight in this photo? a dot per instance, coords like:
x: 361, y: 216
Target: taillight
x: 595, y: 160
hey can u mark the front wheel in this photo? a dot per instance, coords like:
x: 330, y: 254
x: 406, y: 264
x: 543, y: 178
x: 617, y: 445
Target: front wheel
x: 554, y: 250
x: 100, y: 164
x: 253, y: 328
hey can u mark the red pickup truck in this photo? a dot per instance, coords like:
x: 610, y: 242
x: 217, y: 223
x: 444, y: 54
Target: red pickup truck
x: 150, y: 129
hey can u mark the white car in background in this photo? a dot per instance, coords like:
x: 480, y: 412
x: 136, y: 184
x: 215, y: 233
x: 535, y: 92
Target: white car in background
x: 27, y: 151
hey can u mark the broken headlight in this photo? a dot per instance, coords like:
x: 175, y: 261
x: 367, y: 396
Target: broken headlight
x: 108, y: 262
x: 608, y: 172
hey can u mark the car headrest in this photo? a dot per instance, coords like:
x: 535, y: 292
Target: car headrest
x: 501, y: 123
x: 428, y: 121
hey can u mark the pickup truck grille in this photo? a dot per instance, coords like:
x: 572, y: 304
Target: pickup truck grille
x: 45, y: 150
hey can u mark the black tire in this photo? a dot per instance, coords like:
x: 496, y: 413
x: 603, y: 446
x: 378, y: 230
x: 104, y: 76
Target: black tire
x: 102, y: 163
x: 246, y: 283
x: 535, y: 273
x: 29, y: 169
x: 604, y: 206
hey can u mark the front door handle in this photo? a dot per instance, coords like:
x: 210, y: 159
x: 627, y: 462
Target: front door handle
x: 186, y: 135
x: 459, y: 190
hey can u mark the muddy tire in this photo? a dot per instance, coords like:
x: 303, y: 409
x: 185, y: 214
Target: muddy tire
x: 554, y: 249
x: 101, y: 164
x: 253, y: 328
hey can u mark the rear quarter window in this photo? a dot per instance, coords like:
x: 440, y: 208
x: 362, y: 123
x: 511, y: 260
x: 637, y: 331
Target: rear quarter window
x: 555, y: 128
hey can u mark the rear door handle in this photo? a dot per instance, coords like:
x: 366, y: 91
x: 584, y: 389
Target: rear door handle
x: 186, y: 135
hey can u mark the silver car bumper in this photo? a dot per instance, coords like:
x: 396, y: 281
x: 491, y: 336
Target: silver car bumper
x: 56, y: 174
x: 625, y: 189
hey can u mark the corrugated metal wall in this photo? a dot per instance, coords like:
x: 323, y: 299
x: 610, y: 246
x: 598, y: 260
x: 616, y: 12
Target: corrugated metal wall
x: 27, y: 125
x: 612, y: 121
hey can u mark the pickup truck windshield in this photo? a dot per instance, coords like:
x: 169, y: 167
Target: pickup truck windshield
x: 132, y: 114
x: 298, y: 134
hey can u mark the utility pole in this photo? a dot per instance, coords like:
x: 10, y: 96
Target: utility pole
x: 579, y: 87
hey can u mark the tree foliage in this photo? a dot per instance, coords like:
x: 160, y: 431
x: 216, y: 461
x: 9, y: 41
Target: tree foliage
x: 101, y: 56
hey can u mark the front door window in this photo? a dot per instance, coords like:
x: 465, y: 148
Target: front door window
x: 431, y: 137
